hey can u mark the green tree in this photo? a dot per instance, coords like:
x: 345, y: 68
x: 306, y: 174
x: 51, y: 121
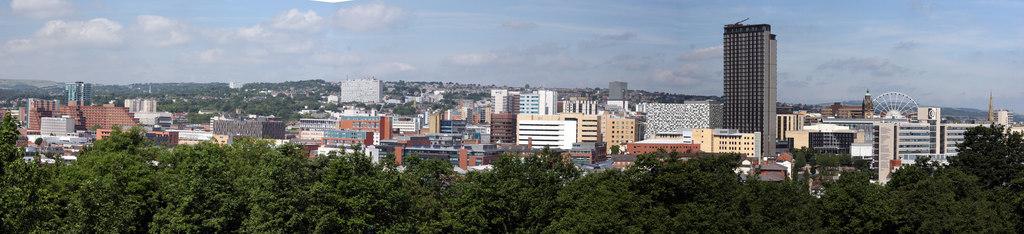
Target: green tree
x: 616, y: 149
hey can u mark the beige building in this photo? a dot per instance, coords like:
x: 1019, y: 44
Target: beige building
x: 588, y: 127
x: 728, y: 141
x: 618, y: 130
x: 787, y: 123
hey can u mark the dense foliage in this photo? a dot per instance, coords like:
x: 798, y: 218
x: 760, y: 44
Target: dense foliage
x: 124, y: 184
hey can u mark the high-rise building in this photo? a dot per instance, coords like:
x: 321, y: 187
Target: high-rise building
x: 750, y: 81
x: 617, y: 95
x: 1004, y: 117
x: 362, y: 91
x: 503, y: 128
x: 675, y: 117
x: 505, y: 101
x: 540, y: 102
x: 37, y: 109
x: 618, y: 130
x: 140, y: 105
x: 78, y: 93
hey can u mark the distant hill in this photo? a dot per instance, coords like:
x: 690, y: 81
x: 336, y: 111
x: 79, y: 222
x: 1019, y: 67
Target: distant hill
x: 23, y: 84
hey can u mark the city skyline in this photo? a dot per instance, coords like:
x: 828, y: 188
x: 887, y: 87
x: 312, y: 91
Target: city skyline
x: 941, y: 53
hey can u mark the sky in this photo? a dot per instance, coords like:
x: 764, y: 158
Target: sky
x: 942, y: 53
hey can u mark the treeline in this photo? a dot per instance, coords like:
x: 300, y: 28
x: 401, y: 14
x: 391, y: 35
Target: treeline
x: 123, y: 184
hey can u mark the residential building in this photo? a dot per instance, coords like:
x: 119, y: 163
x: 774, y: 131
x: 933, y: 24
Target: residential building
x: 729, y: 141
x: 140, y: 105
x: 362, y: 91
x: 667, y: 145
x: 674, y: 117
x: 56, y: 126
x: 750, y: 81
x: 540, y: 102
x: 503, y: 128
x: 260, y: 127
x: 588, y: 152
x: 36, y: 110
x: 78, y: 93
x: 99, y: 117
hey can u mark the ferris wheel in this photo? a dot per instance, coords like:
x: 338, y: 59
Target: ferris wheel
x: 894, y: 105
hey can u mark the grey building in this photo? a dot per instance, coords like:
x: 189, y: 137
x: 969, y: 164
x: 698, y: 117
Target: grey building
x: 750, y: 81
x: 362, y: 91
x: 79, y: 93
x: 265, y: 128
x: 675, y: 117
x: 617, y: 91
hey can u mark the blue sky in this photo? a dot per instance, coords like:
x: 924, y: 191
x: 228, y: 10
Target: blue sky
x: 947, y: 53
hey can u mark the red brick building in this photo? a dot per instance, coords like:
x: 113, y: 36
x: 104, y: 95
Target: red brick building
x: 105, y: 117
x: 36, y: 110
x: 503, y: 128
x: 381, y: 125
x: 668, y: 145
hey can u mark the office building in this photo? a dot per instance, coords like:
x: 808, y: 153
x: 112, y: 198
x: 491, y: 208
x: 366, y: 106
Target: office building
x: 825, y: 138
x: 345, y: 138
x: 318, y: 124
x: 192, y: 137
x: 899, y: 143
x: 161, y: 120
x: 78, y: 93
x: 675, y: 117
x: 505, y: 101
x: 729, y: 141
x: 503, y: 128
x: 787, y: 123
x: 588, y: 152
x: 260, y: 127
x: 557, y: 131
x: 362, y: 91
x: 617, y: 96
x: 839, y: 110
x: 540, y: 102
x: 452, y: 126
x: 56, y: 126
x: 462, y: 156
x: 379, y: 125
x: 99, y: 117
x: 579, y: 105
x: 406, y: 125
x: 750, y: 81
x: 618, y: 130
x: 140, y: 105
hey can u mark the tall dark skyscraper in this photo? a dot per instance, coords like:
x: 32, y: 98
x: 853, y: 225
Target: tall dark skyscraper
x: 750, y: 77
x: 78, y: 93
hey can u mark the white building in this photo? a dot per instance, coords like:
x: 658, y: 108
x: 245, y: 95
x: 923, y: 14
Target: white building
x: 580, y: 106
x: 673, y: 117
x: 191, y: 137
x: 903, y: 142
x: 540, y: 102
x: 1004, y: 117
x: 140, y: 105
x: 361, y: 90
x: 504, y: 101
x: 56, y: 126
x: 150, y: 119
x: 546, y: 133
x: 407, y: 124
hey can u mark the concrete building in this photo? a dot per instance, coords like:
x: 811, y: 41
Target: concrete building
x: 261, y: 127
x: 140, y: 105
x: 675, y: 117
x: 789, y: 122
x: 557, y: 131
x: 750, y: 81
x: 540, y: 102
x: 318, y: 124
x: 461, y: 156
x: 78, y: 93
x: 362, y: 91
x: 505, y: 101
x: 1004, y: 117
x: 192, y: 137
x: 899, y: 143
x: 161, y: 120
x: 617, y: 95
x: 579, y: 105
x: 379, y: 125
x: 826, y: 138
x: 452, y: 127
x: 406, y: 125
x: 838, y: 110
x: 618, y: 130
x: 729, y: 141
x: 345, y: 138
x: 56, y: 126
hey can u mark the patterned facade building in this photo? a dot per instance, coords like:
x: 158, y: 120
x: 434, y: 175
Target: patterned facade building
x: 362, y: 91
x: 675, y: 117
x: 265, y: 128
x: 105, y: 117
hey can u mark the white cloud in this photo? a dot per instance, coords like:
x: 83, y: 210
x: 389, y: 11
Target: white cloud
x: 390, y: 68
x: 41, y: 9
x: 336, y: 59
x: 161, y: 31
x: 56, y: 33
x: 368, y: 17
x: 297, y: 20
x: 211, y: 55
x: 700, y: 54
x: 472, y: 59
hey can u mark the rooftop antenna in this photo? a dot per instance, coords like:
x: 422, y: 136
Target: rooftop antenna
x: 741, y: 21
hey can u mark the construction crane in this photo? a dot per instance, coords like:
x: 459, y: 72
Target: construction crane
x: 741, y: 22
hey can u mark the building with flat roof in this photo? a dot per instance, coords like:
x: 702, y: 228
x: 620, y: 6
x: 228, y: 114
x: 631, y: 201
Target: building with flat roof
x: 540, y: 102
x: 674, y: 117
x: 825, y: 138
x: 729, y: 141
x: 362, y: 91
x: 140, y: 105
x: 557, y: 131
x: 106, y: 116
x: 750, y: 77
x: 668, y: 145
x: 579, y: 105
x: 503, y: 128
x: 56, y: 126
x: 619, y: 130
x: 78, y: 93
x: 379, y: 125
x: 588, y: 152
x: 261, y: 127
